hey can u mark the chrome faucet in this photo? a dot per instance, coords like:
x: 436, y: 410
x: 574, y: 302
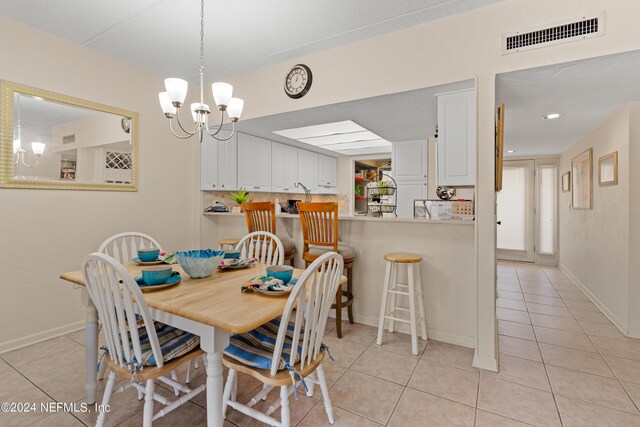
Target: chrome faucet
x: 307, y: 192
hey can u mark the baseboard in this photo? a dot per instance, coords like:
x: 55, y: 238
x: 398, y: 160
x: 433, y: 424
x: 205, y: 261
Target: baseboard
x: 40, y: 336
x: 438, y: 335
x: 603, y: 308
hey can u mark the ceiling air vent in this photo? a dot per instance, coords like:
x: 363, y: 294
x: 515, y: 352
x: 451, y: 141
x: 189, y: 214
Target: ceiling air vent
x: 565, y: 32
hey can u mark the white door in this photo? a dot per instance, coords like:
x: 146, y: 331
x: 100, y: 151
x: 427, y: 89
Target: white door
x: 406, y: 193
x: 227, y: 164
x: 209, y: 165
x: 308, y: 170
x: 409, y: 160
x: 516, y: 202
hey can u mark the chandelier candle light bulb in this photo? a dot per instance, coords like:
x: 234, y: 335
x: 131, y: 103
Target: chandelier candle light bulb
x: 176, y: 92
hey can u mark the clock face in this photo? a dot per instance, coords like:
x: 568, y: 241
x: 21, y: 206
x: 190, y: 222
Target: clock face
x: 126, y: 124
x: 298, y: 81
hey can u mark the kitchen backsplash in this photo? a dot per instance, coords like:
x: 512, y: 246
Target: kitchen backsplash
x: 210, y: 197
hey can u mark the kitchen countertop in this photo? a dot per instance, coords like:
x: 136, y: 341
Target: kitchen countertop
x: 358, y: 218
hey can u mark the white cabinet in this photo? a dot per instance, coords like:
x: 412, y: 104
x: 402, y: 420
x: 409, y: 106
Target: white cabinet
x: 308, y: 169
x: 227, y: 164
x: 327, y: 174
x: 409, y: 160
x: 254, y: 163
x: 208, y: 165
x: 218, y: 165
x: 284, y: 168
x: 456, y: 150
x: 406, y: 193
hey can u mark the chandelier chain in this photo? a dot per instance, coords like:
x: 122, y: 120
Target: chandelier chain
x: 201, y: 36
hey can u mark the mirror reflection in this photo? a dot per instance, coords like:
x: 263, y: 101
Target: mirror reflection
x: 61, y: 142
x: 53, y: 141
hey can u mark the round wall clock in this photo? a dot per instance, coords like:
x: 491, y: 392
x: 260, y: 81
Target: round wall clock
x: 126, y: 124
x: 298, y: 81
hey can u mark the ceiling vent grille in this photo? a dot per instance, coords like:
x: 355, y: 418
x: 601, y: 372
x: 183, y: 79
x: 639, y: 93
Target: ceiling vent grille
x: 565, y: 32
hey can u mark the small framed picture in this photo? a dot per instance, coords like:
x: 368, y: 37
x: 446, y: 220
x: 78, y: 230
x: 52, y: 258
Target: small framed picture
x: 582, y: 180
x: 608, y: 169
x: 566, y: 182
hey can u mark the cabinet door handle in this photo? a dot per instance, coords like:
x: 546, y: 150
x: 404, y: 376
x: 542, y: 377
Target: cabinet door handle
x: 213, y: 185
x: 222, y: 185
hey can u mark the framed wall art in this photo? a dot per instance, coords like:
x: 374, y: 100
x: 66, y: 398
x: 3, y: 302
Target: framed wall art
x: 566, y: 182
x: 608, y: 169
x: 581, y: 180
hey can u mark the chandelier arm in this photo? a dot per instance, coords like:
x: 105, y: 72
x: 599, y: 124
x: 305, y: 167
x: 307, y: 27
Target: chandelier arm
x: 219, y: 127
x: 233, y: 131
x: 30, y: 166
x: 187, y: 136
x: 182, y: 127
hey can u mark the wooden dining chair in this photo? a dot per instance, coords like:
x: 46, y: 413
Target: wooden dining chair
x: 265, y: 353
x: 264, y: 246
x: 136, y: 347
x: 124, y: 246
x: 261, y: 216
x: 319, y: 223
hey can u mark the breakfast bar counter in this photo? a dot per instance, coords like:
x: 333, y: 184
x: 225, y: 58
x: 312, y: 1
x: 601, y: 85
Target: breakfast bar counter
x: 448, y: 270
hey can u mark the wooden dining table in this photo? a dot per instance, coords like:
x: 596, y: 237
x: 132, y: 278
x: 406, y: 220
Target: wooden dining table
x: 213, y: 308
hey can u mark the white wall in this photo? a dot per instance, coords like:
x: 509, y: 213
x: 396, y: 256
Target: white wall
x: 46, y: 233
x: 594, y: 243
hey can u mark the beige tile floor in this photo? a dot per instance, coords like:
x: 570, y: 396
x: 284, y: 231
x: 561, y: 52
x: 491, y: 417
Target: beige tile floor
x: 562, y: 363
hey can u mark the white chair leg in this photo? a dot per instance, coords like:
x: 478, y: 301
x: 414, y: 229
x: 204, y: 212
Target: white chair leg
x: 264, y: 386
x: 423, y: 323
x: 105, y: 398
x: 383, y: 304
x: 228, y: 388
x: 392, y: 297
x: 325, y: 393
x: 311, y: 384
x: 174, y: 376
x: 147, y: 418
x: 412, y: 310
x: 285, y: 414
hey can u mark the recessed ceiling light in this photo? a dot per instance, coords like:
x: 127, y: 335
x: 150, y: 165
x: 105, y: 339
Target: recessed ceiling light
x: 511, y: 151
x: 552, y: 116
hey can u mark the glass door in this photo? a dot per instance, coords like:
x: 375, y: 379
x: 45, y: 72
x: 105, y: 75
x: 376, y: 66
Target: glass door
x: 516, y: 202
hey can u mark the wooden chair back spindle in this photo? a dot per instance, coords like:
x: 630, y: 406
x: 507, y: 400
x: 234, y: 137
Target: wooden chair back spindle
x: 319, y: 223
x: 261, y: 216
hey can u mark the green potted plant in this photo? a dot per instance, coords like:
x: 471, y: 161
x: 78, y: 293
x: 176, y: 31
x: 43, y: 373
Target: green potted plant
x: 240, y: 197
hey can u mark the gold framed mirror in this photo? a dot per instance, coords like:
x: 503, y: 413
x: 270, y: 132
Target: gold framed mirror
x: 56, y: 142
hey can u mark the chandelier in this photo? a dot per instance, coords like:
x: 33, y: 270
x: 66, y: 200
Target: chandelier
x: 176, y: 91
x: 19, y: 152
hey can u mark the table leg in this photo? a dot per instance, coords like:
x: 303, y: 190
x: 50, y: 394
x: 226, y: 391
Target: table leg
x: 213, y: 342
x: 91, y: 348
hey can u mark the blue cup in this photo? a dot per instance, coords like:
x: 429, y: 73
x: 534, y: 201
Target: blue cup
x: 157, y: 275
x: 282, y: 272
x: 148, y: 254
x: 232, y: 254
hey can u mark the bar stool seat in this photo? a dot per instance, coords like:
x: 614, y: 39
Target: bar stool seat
x: 347, y: 252
x: 411, y: 290
x: 288, y: 244
x: 228, y: 242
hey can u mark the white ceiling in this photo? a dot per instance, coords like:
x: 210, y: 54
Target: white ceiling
x: 401, y: 116
x: 585, y: 92
x: 38, y: 117
x: 163, y: 35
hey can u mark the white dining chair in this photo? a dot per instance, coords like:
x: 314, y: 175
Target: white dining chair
x: 264, y: 246
x: 136, y: 347
x: 124, y: 246
x: 255, y: 354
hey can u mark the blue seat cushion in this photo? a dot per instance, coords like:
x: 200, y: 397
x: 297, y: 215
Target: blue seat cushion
x: 255, y: 348
x: 173, y: 343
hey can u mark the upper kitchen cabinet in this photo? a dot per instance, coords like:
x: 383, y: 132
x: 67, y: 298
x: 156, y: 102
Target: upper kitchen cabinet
x: 254, y: 163
x: 327, y: 174
x: 218, y: 165
x: 409, y: 160
x: 208, y: 166
x: 308, y: 169
x: 284, y: 168
x: 227, y: 164
x: 456, y: 149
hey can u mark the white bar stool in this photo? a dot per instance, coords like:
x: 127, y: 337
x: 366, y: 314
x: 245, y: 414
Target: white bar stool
x: 412, y: 290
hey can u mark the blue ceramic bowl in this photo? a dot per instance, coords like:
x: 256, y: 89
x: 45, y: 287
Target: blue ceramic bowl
x: 282, y: 272
x: 232, y: 254
x: 156, y: 275
x: 148, y: 254
x: 199, y: 263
